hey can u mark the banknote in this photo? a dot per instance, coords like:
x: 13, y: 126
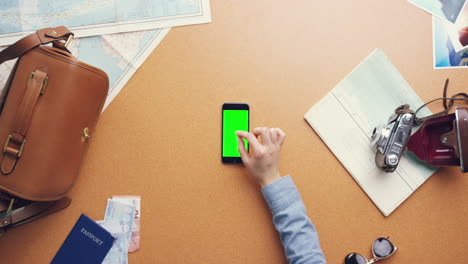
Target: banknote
x: 134, y: 201
x: 121, y: 213
x: 118, y: 220
x: 118, y: 253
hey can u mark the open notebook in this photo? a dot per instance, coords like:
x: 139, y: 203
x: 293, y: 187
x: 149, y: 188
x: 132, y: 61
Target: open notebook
x: 346, y: 117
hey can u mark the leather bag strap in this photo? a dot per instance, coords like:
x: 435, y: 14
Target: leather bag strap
x: 42, y: 36
x: 30, y: 212
x: 16, y: 140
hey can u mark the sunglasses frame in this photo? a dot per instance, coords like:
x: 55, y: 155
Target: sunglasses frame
x: 395, y: 248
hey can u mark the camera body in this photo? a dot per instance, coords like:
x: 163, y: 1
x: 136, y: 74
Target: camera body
x: 390, y: 139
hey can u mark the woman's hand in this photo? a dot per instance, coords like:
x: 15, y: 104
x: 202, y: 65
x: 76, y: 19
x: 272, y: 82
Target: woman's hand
x: 263, y: 159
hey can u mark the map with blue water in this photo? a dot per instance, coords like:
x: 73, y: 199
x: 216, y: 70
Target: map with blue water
x: 119, y: 55
x: 21, y: 15
x: 113, y: 35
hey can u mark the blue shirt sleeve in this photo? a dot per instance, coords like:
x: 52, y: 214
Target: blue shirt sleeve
x: 297, y: 233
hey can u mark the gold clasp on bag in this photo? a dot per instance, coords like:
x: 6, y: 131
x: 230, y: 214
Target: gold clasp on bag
x: 44, y: 83
x: 8, y: 142
x: 85, y: 135
x: 70, y: 37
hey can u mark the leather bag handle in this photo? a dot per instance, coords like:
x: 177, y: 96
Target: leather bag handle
x: 40, y: 37
x: 16, y: 140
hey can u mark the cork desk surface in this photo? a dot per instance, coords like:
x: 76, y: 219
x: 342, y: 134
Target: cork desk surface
x: 160, y: 138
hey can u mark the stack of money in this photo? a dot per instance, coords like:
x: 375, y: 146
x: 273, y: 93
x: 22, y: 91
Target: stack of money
x: 122, y: 220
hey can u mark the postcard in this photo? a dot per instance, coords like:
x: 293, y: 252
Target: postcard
x: 445, y: 54
x: 458, y: 32
x: 445, y: 9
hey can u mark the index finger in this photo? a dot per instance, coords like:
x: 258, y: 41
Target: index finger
x: 253, y: 141
x: 242, y: 150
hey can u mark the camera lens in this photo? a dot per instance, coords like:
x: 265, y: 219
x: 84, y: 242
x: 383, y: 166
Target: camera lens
x: 376, y: 135
x: 380, y: 135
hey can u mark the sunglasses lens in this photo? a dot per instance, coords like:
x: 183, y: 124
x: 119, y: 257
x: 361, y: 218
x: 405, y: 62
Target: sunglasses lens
x: 354, y: 258
x: 382, y: 247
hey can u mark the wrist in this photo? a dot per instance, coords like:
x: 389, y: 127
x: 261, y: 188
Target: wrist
x: 264, y: 181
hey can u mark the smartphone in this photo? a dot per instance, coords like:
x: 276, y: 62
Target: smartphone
x: 235, y: 118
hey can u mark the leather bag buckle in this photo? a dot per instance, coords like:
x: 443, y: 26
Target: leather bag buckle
x: 8, y: 142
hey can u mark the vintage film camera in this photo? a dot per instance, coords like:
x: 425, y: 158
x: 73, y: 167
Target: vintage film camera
x: 391, y: 139
x: 441, y: 140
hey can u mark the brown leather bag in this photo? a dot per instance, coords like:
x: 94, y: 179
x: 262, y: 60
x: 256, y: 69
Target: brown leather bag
x: 48, y: 110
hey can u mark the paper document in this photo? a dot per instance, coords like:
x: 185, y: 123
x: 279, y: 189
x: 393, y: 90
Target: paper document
x: 346, y: 117
x: 19, y: 18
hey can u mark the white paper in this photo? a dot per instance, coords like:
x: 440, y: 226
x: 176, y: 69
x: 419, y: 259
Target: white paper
x: 346, y: 117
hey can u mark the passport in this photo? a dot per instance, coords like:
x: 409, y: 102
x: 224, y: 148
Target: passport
x: 87, y: 243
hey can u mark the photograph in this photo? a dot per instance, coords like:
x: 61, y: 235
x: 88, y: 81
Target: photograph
x: 445, y: 55
x: 458, y: 32
x: 445, y: 9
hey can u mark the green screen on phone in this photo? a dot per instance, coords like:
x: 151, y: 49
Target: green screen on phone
x: 233, y: 120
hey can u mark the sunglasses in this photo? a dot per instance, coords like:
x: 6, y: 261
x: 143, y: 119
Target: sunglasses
x: 381, y: 248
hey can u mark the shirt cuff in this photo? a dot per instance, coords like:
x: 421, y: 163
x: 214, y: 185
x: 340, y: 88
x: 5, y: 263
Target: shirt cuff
x: 281, y: 194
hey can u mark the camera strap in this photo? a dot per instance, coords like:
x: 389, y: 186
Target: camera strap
x: 451, y: 101
x: 403, y: 109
